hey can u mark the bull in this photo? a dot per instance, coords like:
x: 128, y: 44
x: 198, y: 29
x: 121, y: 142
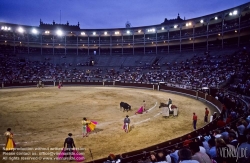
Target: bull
x: 125, y: 106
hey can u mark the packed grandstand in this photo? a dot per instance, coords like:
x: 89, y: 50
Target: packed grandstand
x: 210, y: 51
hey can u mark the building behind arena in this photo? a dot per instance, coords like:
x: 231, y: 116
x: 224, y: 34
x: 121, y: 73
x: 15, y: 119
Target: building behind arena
x: 218, y: 30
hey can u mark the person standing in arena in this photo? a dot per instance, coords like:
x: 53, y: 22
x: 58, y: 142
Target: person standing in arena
x: 88, y: 126
x: 59, y: 85
x: 85, y: 123
x: 69, y: 145
x: 194, y: 121
x: 206, y: 115
x: 144, y: 106
x: 126, y: 124
x: 10, y: 144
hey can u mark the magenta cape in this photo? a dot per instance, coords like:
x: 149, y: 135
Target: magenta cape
x: 88, y: 128
x: 61, y: 155
x: 140, y: 111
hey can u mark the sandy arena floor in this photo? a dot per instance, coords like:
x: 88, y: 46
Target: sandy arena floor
x: 44, y: 117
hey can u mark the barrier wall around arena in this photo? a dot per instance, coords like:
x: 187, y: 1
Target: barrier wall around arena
x: 134, y: 155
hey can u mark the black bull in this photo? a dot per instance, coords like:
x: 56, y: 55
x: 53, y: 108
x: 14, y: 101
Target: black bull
x: 125, y: 106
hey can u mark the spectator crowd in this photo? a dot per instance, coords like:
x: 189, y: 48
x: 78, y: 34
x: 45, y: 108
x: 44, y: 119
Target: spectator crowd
x: 197, y: 72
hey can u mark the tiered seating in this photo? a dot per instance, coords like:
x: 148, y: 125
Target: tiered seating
x: 131, y: 60
x: 116, y: 61
x: 102, y: 60
x: 147, y: 60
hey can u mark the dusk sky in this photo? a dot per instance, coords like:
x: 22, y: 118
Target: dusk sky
x: 96, y: 14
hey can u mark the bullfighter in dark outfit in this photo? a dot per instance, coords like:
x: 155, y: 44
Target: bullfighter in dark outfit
x: 69, y: 145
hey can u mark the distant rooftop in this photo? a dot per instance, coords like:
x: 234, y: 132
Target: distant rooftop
x: 177, y: 20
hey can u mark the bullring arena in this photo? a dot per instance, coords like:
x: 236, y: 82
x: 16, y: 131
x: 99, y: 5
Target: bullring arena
x: 44, y: 117
x: 201, y: 62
